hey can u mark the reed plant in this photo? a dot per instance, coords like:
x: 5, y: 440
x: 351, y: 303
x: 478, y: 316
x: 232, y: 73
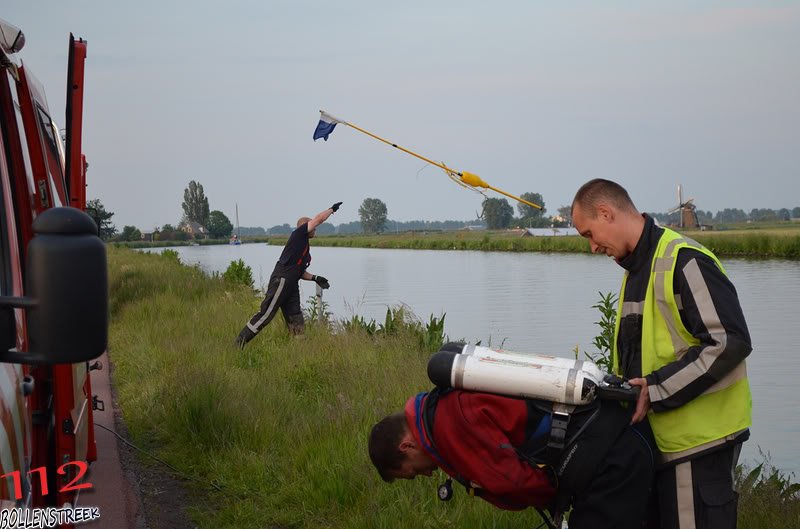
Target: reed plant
x: 768, y: 497
x: 274, y: 436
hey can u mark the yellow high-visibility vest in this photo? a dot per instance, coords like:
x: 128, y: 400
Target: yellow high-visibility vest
x: 725, y: 408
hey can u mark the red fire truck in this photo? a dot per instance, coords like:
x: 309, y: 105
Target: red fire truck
x: 53, y: 288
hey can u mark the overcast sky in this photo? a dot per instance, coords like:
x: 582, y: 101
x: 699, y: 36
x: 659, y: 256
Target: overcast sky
x: 532, y: 96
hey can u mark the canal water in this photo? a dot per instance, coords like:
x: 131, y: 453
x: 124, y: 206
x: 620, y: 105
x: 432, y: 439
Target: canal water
x: 536, y: 302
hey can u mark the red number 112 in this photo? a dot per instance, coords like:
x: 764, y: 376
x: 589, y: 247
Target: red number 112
x: 83, y: 466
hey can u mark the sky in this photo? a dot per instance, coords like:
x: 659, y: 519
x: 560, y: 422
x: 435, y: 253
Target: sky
x: 532, y: 96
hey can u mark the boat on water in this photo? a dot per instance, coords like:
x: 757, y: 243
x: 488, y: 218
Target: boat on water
x: 236, y: 238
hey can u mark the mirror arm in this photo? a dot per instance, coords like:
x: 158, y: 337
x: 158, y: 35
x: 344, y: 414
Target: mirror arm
x: 17, y: 357
x: 22, y: 303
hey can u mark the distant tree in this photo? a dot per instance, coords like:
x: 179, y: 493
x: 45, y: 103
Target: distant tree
x: 783, y: 214
x: 796, y: 213
x: 372, y: 213
x: 565, y: 212
x: 497, y: 213
x: 729, y: 215
x: 326, y: 228
x: 166, y: 233
x: 349, y: 227
x: 252, y: 231
x: 195, y: 204
x: 526, y: 211
x: 704, y: 217
x: 282, y: 229
x: 96, y: 210
x: 130, y: 233
x: 762, y: 214
x: 219, y: 225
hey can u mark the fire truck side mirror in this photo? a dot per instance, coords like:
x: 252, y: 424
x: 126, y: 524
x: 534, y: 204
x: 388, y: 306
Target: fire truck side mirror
x: 67, y: 291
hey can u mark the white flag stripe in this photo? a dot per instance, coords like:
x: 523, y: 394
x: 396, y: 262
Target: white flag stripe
x: 327, y: 118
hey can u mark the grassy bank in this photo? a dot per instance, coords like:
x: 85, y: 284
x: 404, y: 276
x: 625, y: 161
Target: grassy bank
x: 778, y: 241
x: 280, y: 428
x: 275, y: 436
x: 169, y: 244
x: 774, y: 243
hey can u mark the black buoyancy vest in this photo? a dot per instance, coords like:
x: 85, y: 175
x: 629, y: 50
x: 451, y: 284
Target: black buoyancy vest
x: 591, y: 431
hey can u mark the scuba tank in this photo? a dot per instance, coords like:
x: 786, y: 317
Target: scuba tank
x: 534, y: 376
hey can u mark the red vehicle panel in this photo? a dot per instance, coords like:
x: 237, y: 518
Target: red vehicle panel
x: 46, y: 416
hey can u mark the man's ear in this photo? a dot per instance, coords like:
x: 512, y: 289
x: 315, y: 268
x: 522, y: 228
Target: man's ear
x: 605, y: 212
x: 407, y: 444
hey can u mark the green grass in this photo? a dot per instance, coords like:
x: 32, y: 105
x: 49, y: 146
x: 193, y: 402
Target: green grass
x: 281, y: 428
x: 769, y: 242
x: 768, y: 497
x: 275, y: 436
x: 778, y: 240
x: 502, y: 241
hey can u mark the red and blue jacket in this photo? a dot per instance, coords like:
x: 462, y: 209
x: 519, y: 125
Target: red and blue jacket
x: 473, y: 437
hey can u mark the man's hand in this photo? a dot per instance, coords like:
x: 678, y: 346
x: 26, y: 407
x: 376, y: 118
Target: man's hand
x: 321, y: 281
x: 335, y: 207
x: 643, y: 404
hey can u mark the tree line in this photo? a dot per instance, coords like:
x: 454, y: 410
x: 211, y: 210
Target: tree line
x: 198, y: 221
x: 733, y: 215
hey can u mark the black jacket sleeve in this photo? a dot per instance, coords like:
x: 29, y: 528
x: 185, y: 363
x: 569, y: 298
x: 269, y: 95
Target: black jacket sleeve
x: 710, y: 310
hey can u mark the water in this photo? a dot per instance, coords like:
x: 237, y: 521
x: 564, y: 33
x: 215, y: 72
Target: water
x: 537, y: 302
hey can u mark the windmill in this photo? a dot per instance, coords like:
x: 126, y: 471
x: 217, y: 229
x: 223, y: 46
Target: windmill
x: 688, y: 215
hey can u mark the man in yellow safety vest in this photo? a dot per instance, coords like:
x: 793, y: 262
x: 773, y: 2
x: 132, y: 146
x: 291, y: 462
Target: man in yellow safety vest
x: 682, y: 338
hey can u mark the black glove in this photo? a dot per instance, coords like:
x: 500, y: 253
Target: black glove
x: 335, y: 207
x: 321, y: 281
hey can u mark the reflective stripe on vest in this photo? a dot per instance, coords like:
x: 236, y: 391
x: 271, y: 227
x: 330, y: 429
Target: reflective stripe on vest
x: 724, y: 408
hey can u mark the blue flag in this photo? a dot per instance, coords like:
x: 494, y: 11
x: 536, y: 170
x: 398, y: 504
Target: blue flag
x: 325, y: 126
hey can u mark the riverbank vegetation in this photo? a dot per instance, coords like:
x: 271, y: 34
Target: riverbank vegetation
x: 775, y: 242
x: 760, y: 241
x: 275, y: 435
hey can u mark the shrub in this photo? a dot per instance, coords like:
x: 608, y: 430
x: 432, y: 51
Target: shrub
x: 171, y: 255
x: 317, y: 309
x: 240, y: 273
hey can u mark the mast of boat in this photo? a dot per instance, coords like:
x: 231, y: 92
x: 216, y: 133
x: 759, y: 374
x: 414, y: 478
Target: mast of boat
x: 238, y: 235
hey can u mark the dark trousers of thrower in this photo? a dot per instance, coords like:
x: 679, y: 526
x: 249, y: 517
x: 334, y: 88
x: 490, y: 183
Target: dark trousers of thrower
x: 699, y: 493
x: 283, y: 294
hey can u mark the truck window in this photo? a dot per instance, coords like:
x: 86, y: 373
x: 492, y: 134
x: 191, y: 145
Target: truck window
x: 54, y: 153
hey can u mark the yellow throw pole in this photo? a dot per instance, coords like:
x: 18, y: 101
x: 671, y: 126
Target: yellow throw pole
x: 476, y: 181
x: 437, y: 164
x: 470, y: 179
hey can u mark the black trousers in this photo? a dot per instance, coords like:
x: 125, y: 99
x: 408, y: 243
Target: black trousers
x: 620, y: 494
x: 284, y: 294
x: 699, y: 493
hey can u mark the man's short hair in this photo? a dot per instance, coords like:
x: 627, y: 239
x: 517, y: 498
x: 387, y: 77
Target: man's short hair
x: 596, y: 191
x: 384, y: 444
x: 302, y: 220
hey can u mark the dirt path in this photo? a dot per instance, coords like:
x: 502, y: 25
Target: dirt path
x: 130, y: 494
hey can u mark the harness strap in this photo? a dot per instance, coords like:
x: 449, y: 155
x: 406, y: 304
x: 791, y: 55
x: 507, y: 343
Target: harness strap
x: 559, y: 421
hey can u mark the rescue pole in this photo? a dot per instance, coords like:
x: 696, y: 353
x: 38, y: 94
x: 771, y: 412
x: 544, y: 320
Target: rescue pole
x: 319, y: 304
x: 464, y: 178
